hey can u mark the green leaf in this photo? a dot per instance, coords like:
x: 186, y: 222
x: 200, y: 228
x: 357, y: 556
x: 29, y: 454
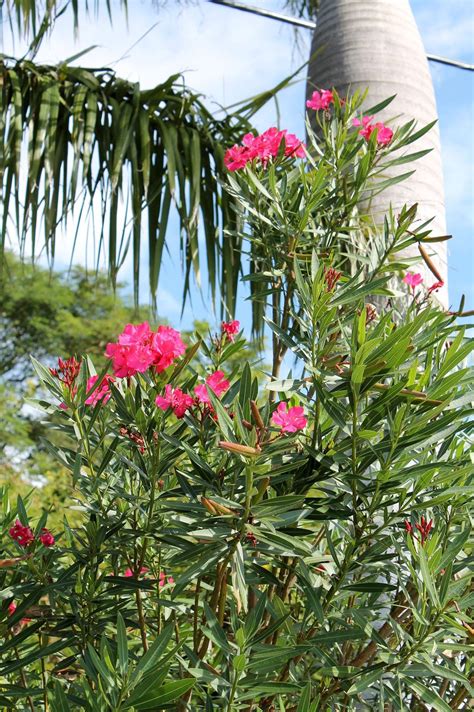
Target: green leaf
x: 239, y: 583
x: 153, y: 654
x: 337, y: 636
x: 122, y: 645
x: 214, y: 631
x: 365, y: 681
x: 427, y: 577
x: 162, y: 695
x: 100, y: 666
x: 305, y: 704
x: 58, y: 700
x: 239, y: 662
x: 380, y: 106
x: 427, y: 695
x: 370, y: 587
x: 35, y: 655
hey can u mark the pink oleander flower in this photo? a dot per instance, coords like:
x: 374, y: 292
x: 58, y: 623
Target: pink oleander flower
x: 163, y: 579
x: 177, y: 400
x: 384, y: 133
x: 366, y: 125
x: 291, y: 420
x: 167, y: 346
x: 102, y: 392
x: 21, y: 534
x: 413, y: 279
x: 127, y: 361
x: 46, y: 538
x: 320, y: 100
x: 216, y: 382
x: 128, y: 573
x: 236, y: 158
x: 293, y: 146
x: 11, y: 610
x: 135, y: 334
x: 434, y: 287
x: 230, y: 329
x: 262, y: 148
x: 138, y: 349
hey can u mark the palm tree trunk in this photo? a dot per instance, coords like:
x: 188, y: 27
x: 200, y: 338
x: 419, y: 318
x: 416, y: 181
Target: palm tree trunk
x: 375, y: 44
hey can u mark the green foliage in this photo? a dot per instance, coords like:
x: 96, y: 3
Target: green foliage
x: 300, y: 580
x: 321, y: 207
x: 50, y: 315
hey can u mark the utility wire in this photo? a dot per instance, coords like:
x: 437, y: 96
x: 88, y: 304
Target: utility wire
x: 309, y: 25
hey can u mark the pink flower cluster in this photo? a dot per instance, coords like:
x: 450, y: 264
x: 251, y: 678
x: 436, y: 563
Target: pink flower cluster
x: 176, y: 399
x: 384, y: 133
x: 331, y: 277
x: 128, y: 573
x: 181, y: 402
x: 216, y: 382
x: 102, y: 392
x: 139, y: 348
x: 290, y: 420
x: 262, y: 148
x: 230, y: 329
x: 46, y: 538
x: 415, y: 279
x: 320, y: 100
x: 162, y: 579
x: 24, y: 536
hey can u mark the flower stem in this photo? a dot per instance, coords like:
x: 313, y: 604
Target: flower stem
x: 141, y: 620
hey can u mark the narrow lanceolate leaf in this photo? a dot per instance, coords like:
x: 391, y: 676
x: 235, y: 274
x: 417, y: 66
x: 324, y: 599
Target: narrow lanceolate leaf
x: 122, y: 645
x: 428, y: 695
x: 156, y: 697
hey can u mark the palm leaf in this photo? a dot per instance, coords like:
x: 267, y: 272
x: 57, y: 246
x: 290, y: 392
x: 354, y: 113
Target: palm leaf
x: 35, y: 16
x: 80, y: 137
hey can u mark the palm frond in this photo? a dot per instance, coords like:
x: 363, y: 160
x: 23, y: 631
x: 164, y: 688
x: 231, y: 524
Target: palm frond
x: 307, y: 9
x: 82, y: 139
x: 26, y: 16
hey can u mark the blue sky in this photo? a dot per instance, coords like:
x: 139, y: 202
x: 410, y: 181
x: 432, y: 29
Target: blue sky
x: 228, y: 56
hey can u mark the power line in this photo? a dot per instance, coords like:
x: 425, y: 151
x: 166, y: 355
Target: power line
x: 309, y: 25
x: 295, y: 21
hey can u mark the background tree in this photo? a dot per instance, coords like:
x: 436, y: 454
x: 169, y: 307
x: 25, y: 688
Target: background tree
x: 49, y: 314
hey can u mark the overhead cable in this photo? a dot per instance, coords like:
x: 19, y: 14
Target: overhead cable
x: 309, y: 25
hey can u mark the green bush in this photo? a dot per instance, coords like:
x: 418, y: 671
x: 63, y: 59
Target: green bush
x: 299, y: 546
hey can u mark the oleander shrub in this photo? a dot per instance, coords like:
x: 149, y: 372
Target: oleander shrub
x: 297, y: 540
